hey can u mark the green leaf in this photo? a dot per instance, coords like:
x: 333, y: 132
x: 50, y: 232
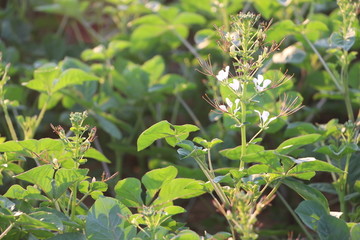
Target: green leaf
x: 44, y: 78
x: 64, y: 178
x: 67, y: 236
x: 355, y: 232
x: 313, y: 166
x: 203, y: 38
x: 314, y: 29
x: 189, y: 18
x: 300, y: 128
x: 155, y: 132
x: 332, y: 228
x: 172, y: 134
x: 97, y: 155
x: 73, y: 77
x: 337, y: 40
x: 181, y: 133
x: 41, y: 176
x: 291, y: 144
x: 290, y: 54
x: 280, y: 30
x: 32, y: 145
x: 106, y: 219
x: 310, y: 213
x: 30, y: 193
x: 108, y: 127
x: 179, y: 188
x: 307, y: 192
x: 155, y: 67
x: 186, y: 235
x: 235, y: 153
x: 128, y: 191
x: 147, y: 31
x: 149, y: 19
x: 155, y: 179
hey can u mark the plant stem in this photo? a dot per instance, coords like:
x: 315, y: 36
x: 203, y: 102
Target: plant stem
x: 342, y: 189
x: 345, y: 82
x: 73, y: 202
x: 335, y: 80
x: 192, y: 114
x: 3, y: 234
x: 243, y: 129
x: 297, y: 219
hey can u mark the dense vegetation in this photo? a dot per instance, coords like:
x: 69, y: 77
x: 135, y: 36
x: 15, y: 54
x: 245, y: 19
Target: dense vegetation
x: 206, y: 119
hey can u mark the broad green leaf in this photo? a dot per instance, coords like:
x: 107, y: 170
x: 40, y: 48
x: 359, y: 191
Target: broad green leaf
x: 324, y: 187
x: 294, y: 143
x: 97, y: 53
x: 266, y: 8
x: 179, y: 188
x: 98, y: 186
x: 64, y: 178
x: 44, y: 77
x: 300, y: 128
x: 128, y: 191
x: 48, y: 217
x: 155, y: 132
x: 149, y: 19
x: 290, y: 54
x: 155, y: 179
x: 69, y: 235
x: 310, y: 213
x: 203, y: 38
x: 116, y: 46
x: 313, y: 166
x: 235, y: 153
x: 108, y: 127
x: 97, y: 155
x: 186, y: 235
x: 280, y: 30
x: 155, y: 67
x: 32, y: 145
x: 189, y: 18
x: 173, y: 210
x: 306, y: 192
x: 71, y: 8
x: 332, y: 228
x: 207, y: 144
x: 314, y: 29
x: 355, y: 232
x: 32, y: 221
x: 146, y: 31
x: 181, y: 133
x: 30, y: 193
x: 106, y: 219
x: 337, y: 40
x: 73, y: 77
x: 41, y: 176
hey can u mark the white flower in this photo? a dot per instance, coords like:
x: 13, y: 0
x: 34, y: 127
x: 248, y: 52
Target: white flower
x: 235, y: 85
x: 223, y: 75
x: 260, y: 83
x: 229, y: 107
x: 264, y: 118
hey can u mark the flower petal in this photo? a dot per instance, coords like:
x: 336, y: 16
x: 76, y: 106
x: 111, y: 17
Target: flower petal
x: 265, y: 115
x: 228, y: 102
x: 235, y: 85
x: 266, y: 83
x: 223, y: 75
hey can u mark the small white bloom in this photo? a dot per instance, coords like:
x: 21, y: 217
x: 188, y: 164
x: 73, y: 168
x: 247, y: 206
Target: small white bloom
x: 223, y: 75
x: 229, y: 107
x: 235, y: 85
x: 264, y: 118
x: 260, y: 83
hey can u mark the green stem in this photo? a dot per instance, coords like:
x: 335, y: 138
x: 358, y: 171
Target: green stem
x: 297, y: 219
x: 335, y: 80
x: 73, y: 202
x: 342, y: 189
x: 192, y: 114
x: 9, y: 123
x: 345, y: 82
x: 7, y: 230
x: 243, y: 130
